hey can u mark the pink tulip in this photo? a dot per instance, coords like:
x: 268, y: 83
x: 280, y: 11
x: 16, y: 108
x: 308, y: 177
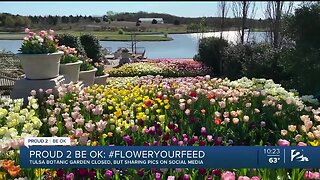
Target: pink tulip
x: 56, y: 111
x: 52, y: 121
x: 53, y: 130
x: 42, y: 33
x: 187, y: 112
x: 203, y: 130
x: 15, y: 144
x: 98, y: 110
x: 209, y: 138
x: 101, y: 125
x: 89, y: 126
x: 83, y: 140
x: 65, y: 115
x: 80, y: 121
x: 76, y: 108
x: 209, y: 178
x: 222, y: 104
x: 70, y: 176
x: 174, y: 139
x: 243, y: 178
x: 186, y: 177
x: 316, y: 175
x: 21, y: 142
x: 75, y: 115
x: 78, y: 132
x: 217, y: 114
x: 51, y: 32
x: 171, y: 178
x: 228, y: 176
x: 108, y: 173
x: 158, y: 176
x: 182, y: 106
x: 255, y: 178
x: 177, y: 96
x: 308, y: 175
x: 26, y: 30
x: 49, y: 91
x: 69, y: 125
x: 302, y: 144
x: 134, y: 128
x: 31, y: 34
x: 283, y: 142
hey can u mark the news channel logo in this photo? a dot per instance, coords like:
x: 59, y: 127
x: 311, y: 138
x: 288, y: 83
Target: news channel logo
x: 298, y: 156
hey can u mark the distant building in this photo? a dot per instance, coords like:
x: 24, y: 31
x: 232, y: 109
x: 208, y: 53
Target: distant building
x: 149, y: 20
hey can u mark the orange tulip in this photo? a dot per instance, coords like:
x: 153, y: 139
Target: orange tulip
x: 7, y: 164
x: 14, y: 171
x: 209, y: 96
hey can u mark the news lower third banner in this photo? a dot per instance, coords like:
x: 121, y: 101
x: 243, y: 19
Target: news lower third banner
x: 169, y: 157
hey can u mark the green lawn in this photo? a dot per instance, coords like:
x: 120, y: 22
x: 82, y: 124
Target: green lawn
x: 103, y: 36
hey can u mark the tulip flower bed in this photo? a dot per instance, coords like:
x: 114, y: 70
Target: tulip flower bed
x: 157, y: 111
x: 166, y: 68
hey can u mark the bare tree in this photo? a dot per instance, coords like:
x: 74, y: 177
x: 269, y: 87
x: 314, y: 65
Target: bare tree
x: 224, y: 9
x: 274, y: 13
x: 241, y: 9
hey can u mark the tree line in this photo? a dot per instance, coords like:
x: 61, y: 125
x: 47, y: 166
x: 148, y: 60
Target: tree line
x: 17, y: 21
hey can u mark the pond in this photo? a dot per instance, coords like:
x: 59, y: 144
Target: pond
x: 182, y: 45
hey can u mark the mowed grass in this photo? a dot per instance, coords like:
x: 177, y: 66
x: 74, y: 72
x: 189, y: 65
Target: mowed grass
x: 103, y: 36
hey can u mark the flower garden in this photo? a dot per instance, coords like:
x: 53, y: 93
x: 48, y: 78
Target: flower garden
x: 159, y: 111
x: 165, y: 67
x: 156, y: 103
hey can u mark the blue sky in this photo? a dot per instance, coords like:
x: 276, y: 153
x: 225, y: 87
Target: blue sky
x: 178, y: 8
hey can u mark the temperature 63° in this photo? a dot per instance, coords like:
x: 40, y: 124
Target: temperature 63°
x: 274, y: 160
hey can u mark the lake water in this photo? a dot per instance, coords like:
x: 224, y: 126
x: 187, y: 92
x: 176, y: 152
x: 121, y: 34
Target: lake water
x: 182, y: 45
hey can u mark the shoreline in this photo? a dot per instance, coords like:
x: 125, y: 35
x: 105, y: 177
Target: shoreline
x: 112, y: 36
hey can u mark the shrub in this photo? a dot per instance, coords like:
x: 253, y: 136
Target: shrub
x: 176, y: 22
x: 304, y: 59
x: 120, y: 31
x: 154, y: 21
x: 210, y: 53
x: 71, y: 41
x: 91, y: 46
x: 254, y: 60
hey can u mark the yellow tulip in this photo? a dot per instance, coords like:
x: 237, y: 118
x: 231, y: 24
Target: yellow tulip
x: 162, y: 118
x: 2, y: 175
x: 139, y: 109
x: 94, y: 143
x: 315, y: 142
x: 167, y: 129
x: 39, y: 172
x: 104, y: 136
x: 110, y: 108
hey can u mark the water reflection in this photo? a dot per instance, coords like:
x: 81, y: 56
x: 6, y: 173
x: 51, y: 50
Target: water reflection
x: 182, y: 45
